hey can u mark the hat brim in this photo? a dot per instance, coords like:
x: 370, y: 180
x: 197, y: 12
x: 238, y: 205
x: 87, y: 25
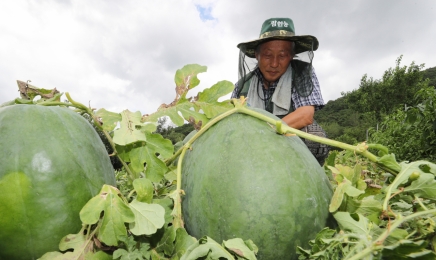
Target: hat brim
x: 302, y: 43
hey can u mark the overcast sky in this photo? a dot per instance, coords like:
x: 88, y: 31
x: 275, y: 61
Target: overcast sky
x: 120, y: 55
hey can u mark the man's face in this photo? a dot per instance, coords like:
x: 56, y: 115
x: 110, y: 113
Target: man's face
x: 273, y: 59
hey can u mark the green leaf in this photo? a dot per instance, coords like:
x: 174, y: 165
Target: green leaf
x: 189, y: 114
x: 206, y: 248
x: 79, y: 245
x: 171, y: 175
x: 345, y: 187
x: 390, y: 162
x: 130, y: 130
x: 325, y: 246
x: 145, y: 154
x: 407, y: 249
x: 334, y: 170
x: 159, y: 145
x: 157, y: 256
x: 186, y: 79
x: 305, y: 253
x: 123, y: 254
x: 338, y: 195
x: 144, y: 248
x: 367, y: 206
x: 357, y: 173
x: 166, y: 243
x: 208, y: 99
x: 325, y: 233
x: 132, y: 252
x: 401, y: 205
x: 148, y: 218
x: 403, y: 176
x: 171, y: 111
x: 132, y: 249
x: 148, y: 153
x: 348, y: 223
x: 428, y: 168
x: 52, y: 256
x: 346, y: 171
x: 395, y: 235
x: 91, y: 255
x: 424, y: 186
x: 330, y: 160
x: 149, y: 127
x: 212, y: 94
x: 167, y: 204
x: 352, y: 191
x: 183, y: 242
x: 99, y: 255
x: 74, y: 241
x: 213, y: 110
x: 129, y: 242
x: 361, y: 185
x: 110, y: 120
x: 238, y: 247
x: 179, y: 114
x: 144, y: 190
x: 116, y: 213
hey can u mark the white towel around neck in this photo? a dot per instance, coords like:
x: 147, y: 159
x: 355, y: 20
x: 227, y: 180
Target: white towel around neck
x: 281, y: 97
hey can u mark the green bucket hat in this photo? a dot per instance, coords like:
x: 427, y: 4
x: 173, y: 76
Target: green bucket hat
x: 280, y: 29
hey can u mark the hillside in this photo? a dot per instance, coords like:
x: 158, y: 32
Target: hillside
x: 350, y: 117
x: 431, y: 75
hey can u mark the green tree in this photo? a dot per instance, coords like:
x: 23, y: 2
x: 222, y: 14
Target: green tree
x: 333, y: 129
x: 431, y: 75
x: 175, y: 134
x: 410, y: 133
x: 337, y: 119
x: 394, y: 90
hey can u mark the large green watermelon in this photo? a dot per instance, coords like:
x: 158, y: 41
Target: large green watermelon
x: 51, y: 163
x: 242, y: 179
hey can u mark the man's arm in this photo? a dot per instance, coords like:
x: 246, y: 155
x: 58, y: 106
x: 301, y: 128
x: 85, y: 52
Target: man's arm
x: 305, y: 107
x: 301, y: 117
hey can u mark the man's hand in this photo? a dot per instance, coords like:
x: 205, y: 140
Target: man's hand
x: 301, y: 117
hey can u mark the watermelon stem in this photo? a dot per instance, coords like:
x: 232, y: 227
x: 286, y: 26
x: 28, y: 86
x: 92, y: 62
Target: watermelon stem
x: 361, y: 148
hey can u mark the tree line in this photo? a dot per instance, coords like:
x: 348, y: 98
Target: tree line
x: 398, y: 110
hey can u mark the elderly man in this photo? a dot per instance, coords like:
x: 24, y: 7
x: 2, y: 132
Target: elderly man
x: 283, y: 82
